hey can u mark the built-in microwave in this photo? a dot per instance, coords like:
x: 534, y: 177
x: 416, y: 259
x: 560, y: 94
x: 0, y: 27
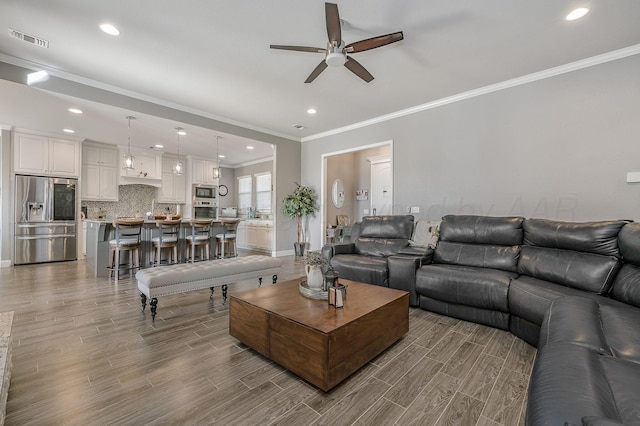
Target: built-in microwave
x: 204, y: 192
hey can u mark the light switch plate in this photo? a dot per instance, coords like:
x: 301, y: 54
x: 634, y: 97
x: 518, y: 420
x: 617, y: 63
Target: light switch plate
x: 415, y: 209
x: 633, y: 177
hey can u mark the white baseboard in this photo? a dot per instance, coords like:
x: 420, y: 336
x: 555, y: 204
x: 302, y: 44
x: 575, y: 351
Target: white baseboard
x: 284, y: 253
x: 5, y: 263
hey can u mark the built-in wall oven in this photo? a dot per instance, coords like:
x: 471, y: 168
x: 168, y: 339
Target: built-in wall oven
x: 204, y: 209
x: 205, y: 202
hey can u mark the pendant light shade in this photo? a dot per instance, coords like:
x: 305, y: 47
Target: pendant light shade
x: 128, y: 159
x: 178, y: 166
x: 217, y: 172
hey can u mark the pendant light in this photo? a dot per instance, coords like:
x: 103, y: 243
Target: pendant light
x: 178, y: 167
x: 217, y: 172
x: 128, y: 159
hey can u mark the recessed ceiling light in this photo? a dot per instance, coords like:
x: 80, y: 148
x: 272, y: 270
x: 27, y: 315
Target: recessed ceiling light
x: 68, y: 130
x: 110, y: 29
x: 37, y: 77
x: 311, y: 111
x: 577, y: 14
x: 181, y: 132
x: 159, y: 146
x: 75, y: 110
x: 221, y: 156
x: 249, y: 147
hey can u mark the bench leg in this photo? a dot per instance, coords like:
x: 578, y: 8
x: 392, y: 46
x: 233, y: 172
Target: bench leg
x: 211, y: 295
x: 274, y: 279
x: 224, y: 294
x: 143, y: 299
x: 259, y: 281
x: 153, y: 305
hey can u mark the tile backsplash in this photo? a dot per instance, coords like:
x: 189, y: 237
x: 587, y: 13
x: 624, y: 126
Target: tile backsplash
x: 133, y: 200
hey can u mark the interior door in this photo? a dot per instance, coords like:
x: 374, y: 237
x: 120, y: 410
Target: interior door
x: 381, y: 188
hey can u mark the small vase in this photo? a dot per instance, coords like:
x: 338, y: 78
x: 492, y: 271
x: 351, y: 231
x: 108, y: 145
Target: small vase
x: 315, y: 280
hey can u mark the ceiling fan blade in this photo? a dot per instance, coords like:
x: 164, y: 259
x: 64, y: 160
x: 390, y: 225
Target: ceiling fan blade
x: 373, y: 42
x: 299, y: 48
x: 356, y: 68
x: 316, y: 72
x: 333, y: 24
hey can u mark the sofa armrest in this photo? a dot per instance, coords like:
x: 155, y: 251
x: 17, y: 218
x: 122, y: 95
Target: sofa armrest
x: 331, y: 249
x: 424, y: 253
x: 402, y: 275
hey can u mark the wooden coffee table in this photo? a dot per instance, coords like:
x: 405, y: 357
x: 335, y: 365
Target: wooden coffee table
x: 318, y: 342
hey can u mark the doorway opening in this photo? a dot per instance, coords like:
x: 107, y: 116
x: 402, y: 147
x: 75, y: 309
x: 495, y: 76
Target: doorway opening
x: 356, y: 182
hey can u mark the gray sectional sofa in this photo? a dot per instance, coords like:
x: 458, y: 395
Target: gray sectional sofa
x: 571, y: 289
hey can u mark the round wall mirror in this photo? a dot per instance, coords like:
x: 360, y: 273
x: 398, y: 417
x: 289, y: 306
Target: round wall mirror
x: 337, y: 193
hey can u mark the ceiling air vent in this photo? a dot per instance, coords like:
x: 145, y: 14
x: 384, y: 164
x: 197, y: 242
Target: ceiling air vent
x: 29, y: 38
x: 298, y: 126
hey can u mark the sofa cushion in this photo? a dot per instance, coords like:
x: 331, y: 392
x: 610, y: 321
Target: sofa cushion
x: 592, y: 237
x: 465, y: 285
x: 478, y: 255
x: 570, y: 382
x: 505, y: 231
x: 626, y: 286
x: 603, y: 325
x: 380, y: 246
x: 529, y: 298
x: 366, y: 269
x: 585, y: 271
x: 390, y: 226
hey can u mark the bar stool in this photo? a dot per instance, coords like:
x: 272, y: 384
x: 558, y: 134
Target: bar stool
x: 167, y: 238
x: 127, y: 239
x: 200, y: 237
x: 227, y: 238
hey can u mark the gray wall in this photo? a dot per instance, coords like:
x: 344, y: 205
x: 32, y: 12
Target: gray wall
x: 342, y: 167
x: 556, y: 148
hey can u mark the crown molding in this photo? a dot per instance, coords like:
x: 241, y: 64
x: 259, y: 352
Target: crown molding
x: 507, y: 84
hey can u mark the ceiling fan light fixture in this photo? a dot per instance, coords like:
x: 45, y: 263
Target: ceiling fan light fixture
x: 336, y: 59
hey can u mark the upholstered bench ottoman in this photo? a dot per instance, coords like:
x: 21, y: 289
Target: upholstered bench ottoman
x: 183, y: 277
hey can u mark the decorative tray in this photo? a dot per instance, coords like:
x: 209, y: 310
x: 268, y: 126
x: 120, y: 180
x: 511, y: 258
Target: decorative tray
x: 312, y: 293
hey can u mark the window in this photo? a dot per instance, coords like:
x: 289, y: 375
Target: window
x: 244, y: 193
x: 263, y: 192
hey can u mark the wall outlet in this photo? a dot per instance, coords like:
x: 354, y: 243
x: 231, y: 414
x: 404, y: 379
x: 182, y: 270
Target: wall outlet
x: 415, y: 209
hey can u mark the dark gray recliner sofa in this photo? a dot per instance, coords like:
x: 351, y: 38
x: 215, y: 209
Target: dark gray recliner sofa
x: 587, y: 370
x: 575, y: 294
x: 473, y: 264
x: 379, y: 254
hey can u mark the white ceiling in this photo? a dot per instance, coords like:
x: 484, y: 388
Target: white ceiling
x: 213, y: 59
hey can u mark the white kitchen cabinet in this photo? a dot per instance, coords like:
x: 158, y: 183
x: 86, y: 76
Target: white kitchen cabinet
x: 173, y: 187
x: 202, y: 171
x: 42, y: 155
x: 99, y: 173
x: 259, y: 234
x: 241, y: 235
x: 146, y: 165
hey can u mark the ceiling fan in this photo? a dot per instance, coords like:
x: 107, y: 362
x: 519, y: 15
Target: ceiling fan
x: 336, y: 51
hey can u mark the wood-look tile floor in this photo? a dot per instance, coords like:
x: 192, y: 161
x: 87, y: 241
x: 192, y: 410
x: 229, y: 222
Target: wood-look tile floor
x: 85, y: 354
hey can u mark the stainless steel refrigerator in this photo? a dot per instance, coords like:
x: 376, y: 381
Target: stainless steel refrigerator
x: 46, y: 219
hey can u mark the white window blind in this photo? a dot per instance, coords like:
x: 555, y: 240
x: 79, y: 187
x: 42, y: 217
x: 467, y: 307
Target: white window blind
x: 244, y: 193
x: 263, y: 192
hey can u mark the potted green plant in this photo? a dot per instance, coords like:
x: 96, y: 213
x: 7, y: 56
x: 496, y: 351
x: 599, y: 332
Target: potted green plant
x: 302, y: 202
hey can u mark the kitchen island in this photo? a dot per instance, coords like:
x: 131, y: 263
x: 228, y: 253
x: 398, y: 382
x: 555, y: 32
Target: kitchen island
x: 100, y: 231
